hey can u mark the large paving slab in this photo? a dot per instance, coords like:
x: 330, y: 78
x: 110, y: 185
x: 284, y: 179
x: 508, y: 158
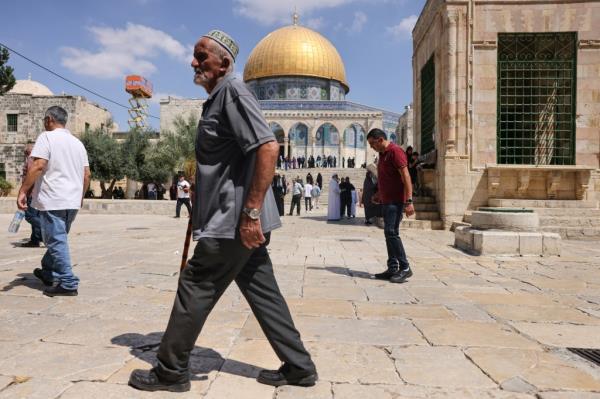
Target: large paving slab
x: 461, y: 327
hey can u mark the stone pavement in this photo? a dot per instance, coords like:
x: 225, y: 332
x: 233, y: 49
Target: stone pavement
x: 462, y: 327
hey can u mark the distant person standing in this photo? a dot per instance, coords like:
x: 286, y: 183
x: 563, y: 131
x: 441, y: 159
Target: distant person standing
x: 308, y: 197
x: 31, y: 214
x: 151, y: 187
x: 333, y: 206
x: 183, y: 196
x: 296, y: 196
x: 369, y: 188
x: 320, y: 180
x: 395, y: 195
x: 279, y: 187
x: 346, y: 189
x: 316, y: 195
x: 61, y: 175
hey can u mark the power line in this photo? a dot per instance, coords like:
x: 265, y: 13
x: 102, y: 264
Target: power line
x: 68, y: 80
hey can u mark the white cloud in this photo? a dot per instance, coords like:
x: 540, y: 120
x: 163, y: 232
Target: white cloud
x: 268, y: 12
x: 124, y: 51
x: 360, y: 19
x: 404, y: 28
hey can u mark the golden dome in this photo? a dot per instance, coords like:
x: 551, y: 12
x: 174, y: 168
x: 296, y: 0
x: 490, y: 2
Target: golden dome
x: 295, y: 51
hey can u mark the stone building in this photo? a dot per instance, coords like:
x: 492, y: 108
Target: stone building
x: 299, y: 79
x: 21, y: 120
x: 171, y: 108
x: 404, y: 131
x: 507, y: 102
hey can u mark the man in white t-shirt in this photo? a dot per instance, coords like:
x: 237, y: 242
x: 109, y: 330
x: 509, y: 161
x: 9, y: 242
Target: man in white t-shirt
x: 61, y: 174
x: 308, y: 197
x: 183, y: 196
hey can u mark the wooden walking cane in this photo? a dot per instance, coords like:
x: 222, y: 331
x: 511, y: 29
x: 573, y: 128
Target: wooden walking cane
x: 186, y: 245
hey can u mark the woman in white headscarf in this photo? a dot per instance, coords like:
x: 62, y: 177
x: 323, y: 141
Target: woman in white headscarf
x: 333, y: 206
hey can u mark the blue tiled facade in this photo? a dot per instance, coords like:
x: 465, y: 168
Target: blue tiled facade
x: 390, y: 119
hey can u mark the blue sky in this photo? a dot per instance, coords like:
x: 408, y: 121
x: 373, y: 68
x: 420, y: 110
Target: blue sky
x: 97, y: 43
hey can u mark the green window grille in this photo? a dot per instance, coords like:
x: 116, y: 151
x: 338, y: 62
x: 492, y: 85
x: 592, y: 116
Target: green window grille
x: 427, y: 106
x: 12, y: 121
x: 536, y: 98
x: 2, y: 171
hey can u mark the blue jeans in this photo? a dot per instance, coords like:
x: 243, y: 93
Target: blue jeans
x: 392, y: 216
x: 32, y: 216
x: 56, y: 263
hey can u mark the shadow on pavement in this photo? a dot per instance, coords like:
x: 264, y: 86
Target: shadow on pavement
x: 24, y: 279
x: 344, y: 271
x: 202, y: 360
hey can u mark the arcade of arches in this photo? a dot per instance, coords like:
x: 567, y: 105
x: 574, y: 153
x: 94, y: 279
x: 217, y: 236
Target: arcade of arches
x: 323, y: 139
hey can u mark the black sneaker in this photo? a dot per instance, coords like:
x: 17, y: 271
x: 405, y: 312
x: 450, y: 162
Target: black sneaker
x: 30, y: 244
x: 59, y: 291
x: 40, y: 274
x: 401, y: 276
x: 386, y: 274
x: 288, y: 375
x: 147, y: 380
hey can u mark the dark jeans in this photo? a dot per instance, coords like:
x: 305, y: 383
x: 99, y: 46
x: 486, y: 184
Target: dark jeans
x: 392, y: 216
x: 295, y: 203
x: 184, y: 201
x: 32, y: 216
x: 308, y: 203
x: 214, y: 265
x: 346, y: 205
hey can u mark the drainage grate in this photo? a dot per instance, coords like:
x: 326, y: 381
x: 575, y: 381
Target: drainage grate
x: 593, y: 355
x: 137, y: 228
x: 350, y: 239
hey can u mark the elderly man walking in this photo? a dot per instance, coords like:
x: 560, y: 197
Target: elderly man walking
x: 61, y: 174
x: 234, y: 213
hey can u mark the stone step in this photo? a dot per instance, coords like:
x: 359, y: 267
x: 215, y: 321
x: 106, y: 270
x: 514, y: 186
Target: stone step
x: 574, y: 233
x: 520, y: 203
x: 579, y: 212
x: 569, y: 221
x: 420, y: 215
x: 422, y: 224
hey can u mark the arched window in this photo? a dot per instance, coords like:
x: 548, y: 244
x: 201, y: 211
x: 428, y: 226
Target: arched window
x: 327, y: 136
x: 299, y: 134
x: 354, y: 136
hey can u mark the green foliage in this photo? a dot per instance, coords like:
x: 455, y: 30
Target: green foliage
x: 7, y: 80
x: 179, y: 144
x: 107, y: 162
x: 5, y: 187
x: 134, y: 153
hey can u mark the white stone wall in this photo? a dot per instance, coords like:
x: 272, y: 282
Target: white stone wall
x: 171, y: 107
x: 31, y: 110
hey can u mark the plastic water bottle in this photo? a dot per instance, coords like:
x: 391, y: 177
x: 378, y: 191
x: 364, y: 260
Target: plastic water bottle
x: 16, y: 222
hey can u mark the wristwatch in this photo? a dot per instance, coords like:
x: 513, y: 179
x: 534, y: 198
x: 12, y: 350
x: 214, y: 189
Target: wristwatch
x: 252, y: 213
x: 408, y: 201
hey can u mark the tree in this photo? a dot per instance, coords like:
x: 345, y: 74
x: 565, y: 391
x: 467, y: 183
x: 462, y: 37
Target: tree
x: 134, y: 153
x: 180, y: 143
x: 106, y: 158
x: 7, y: 80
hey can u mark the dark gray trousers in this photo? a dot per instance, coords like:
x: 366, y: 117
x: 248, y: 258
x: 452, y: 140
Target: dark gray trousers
x: 214, y: 265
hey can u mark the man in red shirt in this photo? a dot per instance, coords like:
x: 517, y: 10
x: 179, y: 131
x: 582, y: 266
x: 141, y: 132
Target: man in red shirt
x: 394, y: 193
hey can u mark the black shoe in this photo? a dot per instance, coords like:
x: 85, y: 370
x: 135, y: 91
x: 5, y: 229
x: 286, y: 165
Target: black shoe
x: 40, y: 274
x: 401, y: 276
x: 288, y: 375
x: 147, y: 380
x: 175, y: 217
x: 30, y: 244
x: 386, y: 274
x: 59, y: 291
